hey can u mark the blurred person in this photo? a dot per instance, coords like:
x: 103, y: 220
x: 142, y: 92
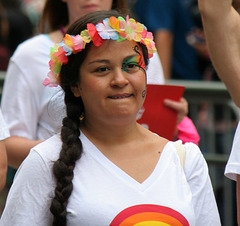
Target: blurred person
x: 33, y: 9
x: 4, y: 133
x: 104, y: 168
x: 4, y: 50
x: 15, y: 27
x: 221, y: 22
x: 171, y: 23
x: 196, y: 38
x: 36, y: 106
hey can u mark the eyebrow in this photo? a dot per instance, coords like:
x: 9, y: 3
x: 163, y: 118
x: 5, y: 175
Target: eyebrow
x: 99, y: 61
x: 108, y: 61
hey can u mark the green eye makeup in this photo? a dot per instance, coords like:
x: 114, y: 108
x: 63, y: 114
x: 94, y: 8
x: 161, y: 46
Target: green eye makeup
x: 133, y: 63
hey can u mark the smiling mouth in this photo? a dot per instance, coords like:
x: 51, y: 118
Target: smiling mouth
x: 120, y: 97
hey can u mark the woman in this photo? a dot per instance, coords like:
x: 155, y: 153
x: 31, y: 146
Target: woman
x: 105, y: 168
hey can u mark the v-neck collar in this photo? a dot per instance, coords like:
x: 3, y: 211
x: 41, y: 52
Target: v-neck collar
x: 118, y: 172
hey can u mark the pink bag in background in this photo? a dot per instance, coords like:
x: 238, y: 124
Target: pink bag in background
x: 187, y: 131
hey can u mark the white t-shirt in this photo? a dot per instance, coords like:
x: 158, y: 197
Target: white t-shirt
x: 233, y: 165
x: 4, y: 132
x: 32, y: 110
x: 103, y: 193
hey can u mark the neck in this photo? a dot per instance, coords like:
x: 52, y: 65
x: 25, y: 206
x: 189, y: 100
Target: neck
x: 57, y: 36
x: 119, y: 144
x: 111, y: 134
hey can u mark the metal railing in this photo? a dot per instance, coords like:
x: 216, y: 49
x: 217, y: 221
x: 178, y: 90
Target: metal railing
x: 215, y: 116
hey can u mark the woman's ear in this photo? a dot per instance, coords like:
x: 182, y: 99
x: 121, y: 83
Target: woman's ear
x: 76, y: 90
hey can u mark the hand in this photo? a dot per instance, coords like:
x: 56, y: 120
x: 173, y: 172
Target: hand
x: 181, y: 107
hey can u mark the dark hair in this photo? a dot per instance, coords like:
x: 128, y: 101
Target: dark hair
x: 71, y: 144
x: 55, y: 14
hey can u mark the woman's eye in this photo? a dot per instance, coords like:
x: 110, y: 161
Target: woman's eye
x: 133, y: 65
x: 102, y: 69
x: 130, y: 67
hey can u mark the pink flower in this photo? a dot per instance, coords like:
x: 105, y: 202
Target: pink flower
x: 51, y: 81
x: 78, y: 43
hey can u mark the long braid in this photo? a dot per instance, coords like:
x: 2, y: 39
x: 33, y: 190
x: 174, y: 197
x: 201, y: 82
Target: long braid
x: 64, y: 166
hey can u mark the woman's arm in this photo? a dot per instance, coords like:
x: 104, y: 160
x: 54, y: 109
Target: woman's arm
x: 20, y: 107
x: 222, y: 31
x: 3, y: 165
x: 204, y: 203
x: 18, y: 148
x: 164, y: 45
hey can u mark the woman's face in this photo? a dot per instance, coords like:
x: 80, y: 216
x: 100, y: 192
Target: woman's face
x: 112, y: 81
x: 79, y: 8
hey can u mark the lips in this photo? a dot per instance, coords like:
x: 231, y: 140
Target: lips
x: 120, y: 96
x: 90, y: 7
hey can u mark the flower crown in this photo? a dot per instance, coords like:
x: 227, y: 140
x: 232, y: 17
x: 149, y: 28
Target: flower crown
x: 112, y: 28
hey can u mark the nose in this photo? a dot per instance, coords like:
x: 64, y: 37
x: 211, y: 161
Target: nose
x: 119, y: 79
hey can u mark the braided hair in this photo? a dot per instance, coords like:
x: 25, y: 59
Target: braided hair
x: 63, y: 168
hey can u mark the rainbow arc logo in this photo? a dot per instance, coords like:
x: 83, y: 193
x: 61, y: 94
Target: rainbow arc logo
x: 149, y: 215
